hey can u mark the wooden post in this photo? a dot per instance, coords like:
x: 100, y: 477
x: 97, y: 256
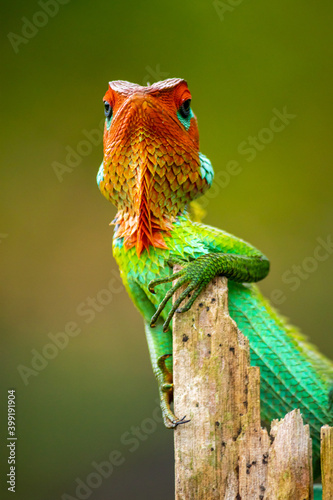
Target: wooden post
x: 223, y: 453
x: 289, y: 472
x: 327, y: 461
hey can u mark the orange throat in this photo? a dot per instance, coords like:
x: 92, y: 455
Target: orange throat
x: 143, y: 223
x: 142, y: 230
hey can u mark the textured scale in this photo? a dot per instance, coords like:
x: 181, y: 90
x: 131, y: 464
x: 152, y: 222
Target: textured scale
x: 152, y: 169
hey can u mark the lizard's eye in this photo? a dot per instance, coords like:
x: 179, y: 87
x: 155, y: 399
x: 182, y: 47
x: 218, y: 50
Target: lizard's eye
x: 107, y: 110
x: 185, y: 108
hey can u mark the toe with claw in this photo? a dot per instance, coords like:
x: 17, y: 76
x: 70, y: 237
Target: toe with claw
x: 166, y: 396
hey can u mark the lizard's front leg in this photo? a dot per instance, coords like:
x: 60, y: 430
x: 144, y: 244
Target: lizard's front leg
x: 199, y: 272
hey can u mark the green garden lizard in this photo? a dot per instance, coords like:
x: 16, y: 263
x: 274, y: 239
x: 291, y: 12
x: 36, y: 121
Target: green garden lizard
x: 152, y: 171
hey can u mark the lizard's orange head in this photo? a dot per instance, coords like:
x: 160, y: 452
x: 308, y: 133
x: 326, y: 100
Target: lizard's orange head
x: 151, y: 167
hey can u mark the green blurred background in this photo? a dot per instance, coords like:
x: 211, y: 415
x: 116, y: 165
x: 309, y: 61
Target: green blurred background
x: 55, y: 241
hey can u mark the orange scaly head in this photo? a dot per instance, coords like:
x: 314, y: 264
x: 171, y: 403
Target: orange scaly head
x: 151, y: 167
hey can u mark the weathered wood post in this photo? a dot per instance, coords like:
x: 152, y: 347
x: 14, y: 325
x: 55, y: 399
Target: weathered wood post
x: 327, y: 461
x: 223, y: 452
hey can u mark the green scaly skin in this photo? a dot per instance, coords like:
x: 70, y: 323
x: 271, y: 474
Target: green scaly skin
x: 293, y: 373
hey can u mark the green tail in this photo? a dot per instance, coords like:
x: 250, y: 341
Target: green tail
x: 317, y: 492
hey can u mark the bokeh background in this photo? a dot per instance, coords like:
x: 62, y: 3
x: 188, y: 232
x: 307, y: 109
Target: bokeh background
x: 241, y: 62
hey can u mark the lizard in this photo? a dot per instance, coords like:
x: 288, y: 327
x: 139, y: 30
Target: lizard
x: 152, y: 171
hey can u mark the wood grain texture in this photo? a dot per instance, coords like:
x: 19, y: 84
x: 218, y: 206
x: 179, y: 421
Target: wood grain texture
x: 223, y: 452
x: 327, y: 461
x: 290, y: 460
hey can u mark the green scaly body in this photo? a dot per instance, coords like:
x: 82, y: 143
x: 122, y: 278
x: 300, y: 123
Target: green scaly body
x: 293, y: 374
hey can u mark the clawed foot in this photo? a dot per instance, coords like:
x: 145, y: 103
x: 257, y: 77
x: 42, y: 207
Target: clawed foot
x: 173, y: 423
x: 196, y: 273
x: 169, y: 418
x: 166, y: 392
